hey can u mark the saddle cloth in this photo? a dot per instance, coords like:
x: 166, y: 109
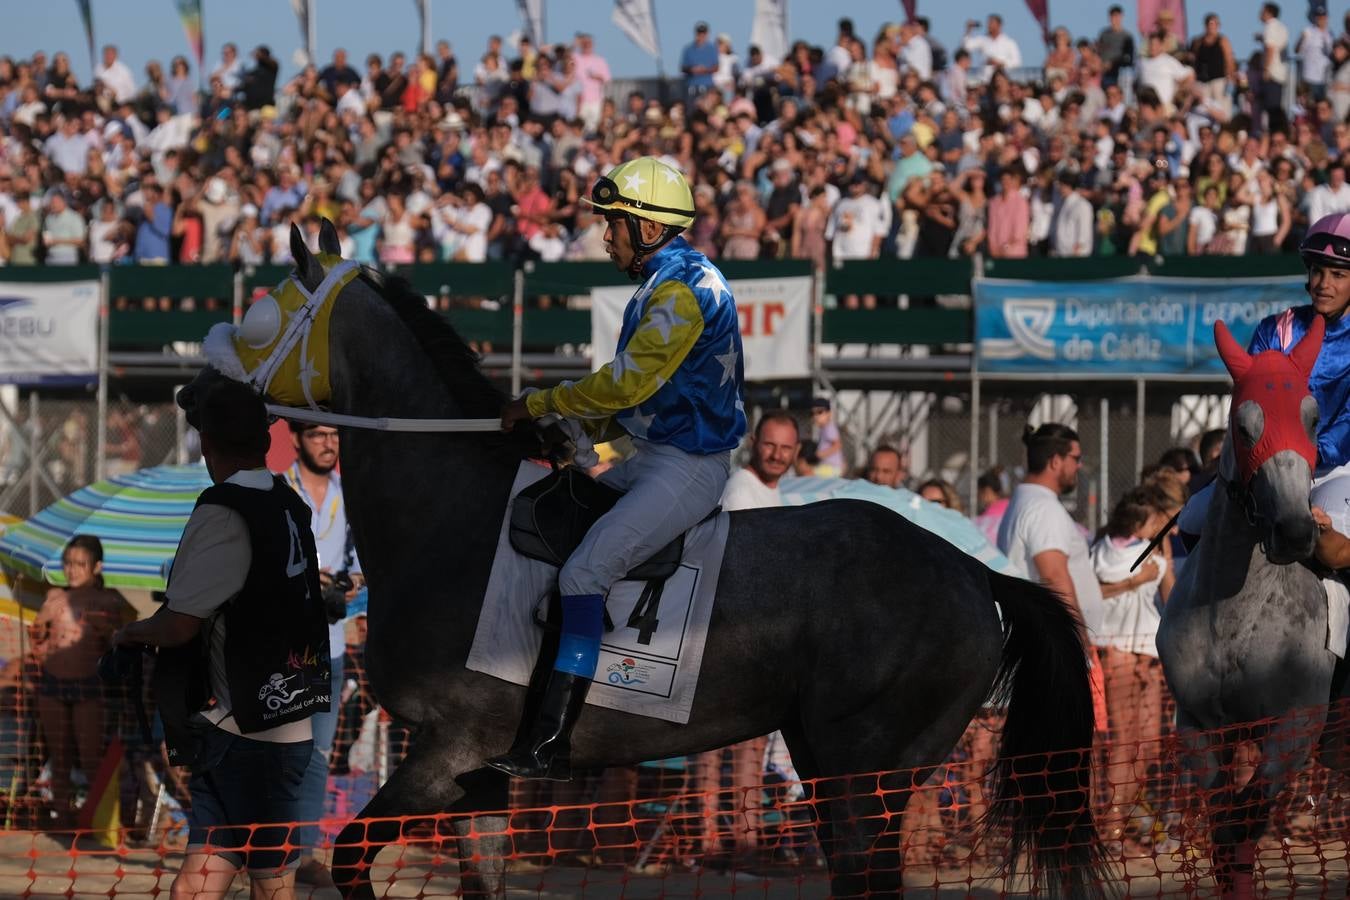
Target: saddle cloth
x: 1338, y: 615
x: 655, y: 679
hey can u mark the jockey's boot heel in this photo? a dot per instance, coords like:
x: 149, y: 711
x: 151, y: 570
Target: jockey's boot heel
x: 546, y: 750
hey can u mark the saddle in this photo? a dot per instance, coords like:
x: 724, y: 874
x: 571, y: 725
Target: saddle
x: 550, y: 518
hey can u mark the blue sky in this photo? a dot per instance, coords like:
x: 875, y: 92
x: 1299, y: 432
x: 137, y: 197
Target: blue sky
x: 150, y: 29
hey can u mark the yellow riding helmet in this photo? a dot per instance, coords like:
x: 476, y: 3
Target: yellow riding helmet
x: 647, y: 188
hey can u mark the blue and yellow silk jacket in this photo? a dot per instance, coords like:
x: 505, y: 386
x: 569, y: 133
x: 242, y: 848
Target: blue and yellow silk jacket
x: 677, y: 377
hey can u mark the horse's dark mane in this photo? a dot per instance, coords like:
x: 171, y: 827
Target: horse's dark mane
x: 454, y: 360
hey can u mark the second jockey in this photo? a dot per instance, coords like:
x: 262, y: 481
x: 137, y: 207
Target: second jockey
x: 675, y: 386
x: 1326, y: 254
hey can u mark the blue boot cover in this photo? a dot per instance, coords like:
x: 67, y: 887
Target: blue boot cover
x: 583, y: 622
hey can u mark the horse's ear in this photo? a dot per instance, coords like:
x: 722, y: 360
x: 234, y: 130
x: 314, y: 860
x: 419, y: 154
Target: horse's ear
x: 306, y: 266
x: 1304, y: 354
x: 328, y: 239
x: 1234, y: 357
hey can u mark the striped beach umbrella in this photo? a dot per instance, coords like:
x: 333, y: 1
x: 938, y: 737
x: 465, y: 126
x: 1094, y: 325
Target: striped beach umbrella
x: 139, y: 518
x: 947, y: 524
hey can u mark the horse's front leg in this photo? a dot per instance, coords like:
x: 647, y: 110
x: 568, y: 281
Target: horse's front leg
x: 428, y: 782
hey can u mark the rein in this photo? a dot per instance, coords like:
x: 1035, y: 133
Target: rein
x: 383, y: 423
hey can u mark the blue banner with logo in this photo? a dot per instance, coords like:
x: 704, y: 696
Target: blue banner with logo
x: 1130, y: 326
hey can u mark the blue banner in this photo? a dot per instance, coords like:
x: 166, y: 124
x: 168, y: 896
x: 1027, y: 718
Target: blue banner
x: 1131, y: 326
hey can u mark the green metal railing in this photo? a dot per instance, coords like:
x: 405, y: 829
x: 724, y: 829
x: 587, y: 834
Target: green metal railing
x: 463, y: 285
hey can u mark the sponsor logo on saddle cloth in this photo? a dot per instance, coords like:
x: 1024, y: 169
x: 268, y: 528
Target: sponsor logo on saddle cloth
x: 281, y: 347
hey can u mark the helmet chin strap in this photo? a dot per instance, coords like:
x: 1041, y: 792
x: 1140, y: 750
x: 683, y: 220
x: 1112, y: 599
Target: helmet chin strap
x: 642, y: 249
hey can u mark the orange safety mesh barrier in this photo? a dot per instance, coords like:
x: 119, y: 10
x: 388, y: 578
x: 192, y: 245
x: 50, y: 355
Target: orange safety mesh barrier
x: 702, y: 825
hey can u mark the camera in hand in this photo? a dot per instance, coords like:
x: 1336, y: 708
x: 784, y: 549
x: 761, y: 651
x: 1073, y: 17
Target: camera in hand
x: 335, y: 597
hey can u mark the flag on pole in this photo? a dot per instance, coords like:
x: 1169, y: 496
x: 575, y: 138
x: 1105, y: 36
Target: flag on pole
x: 102, y: 810
x: 1040, y: 11
x: 911, y: 9
x: 532, y: 16
x: 1150, y: 18
x: 770, y: 29
x: 637, y: 19
x: 424, y: 24
x: 304, y: 12
x: 190, y: 11
x: 87, y: 15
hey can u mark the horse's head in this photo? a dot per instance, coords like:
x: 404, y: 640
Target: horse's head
x: 1272, y: 448
x: 281, y: 347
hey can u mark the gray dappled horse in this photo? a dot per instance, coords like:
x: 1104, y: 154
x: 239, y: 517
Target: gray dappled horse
x: 1243, y: 635
x: 868, y: 641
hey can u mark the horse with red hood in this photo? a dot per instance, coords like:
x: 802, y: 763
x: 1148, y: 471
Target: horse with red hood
x: 1244, y: 633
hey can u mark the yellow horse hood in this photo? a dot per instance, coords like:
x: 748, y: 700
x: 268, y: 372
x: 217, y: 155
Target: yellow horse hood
x: 281, y: 347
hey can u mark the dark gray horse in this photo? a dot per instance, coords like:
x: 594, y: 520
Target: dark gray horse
x: 1244, y: 634
x: 868, y: 641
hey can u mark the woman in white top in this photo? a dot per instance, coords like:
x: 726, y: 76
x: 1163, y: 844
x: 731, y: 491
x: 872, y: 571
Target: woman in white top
x: 884, y: 70
x: 1204, y: 223
x: 728, y: 67
x: 1270, y: 217
x: 397, y: 233
x: 858, y: 77
x: 1127, y: 649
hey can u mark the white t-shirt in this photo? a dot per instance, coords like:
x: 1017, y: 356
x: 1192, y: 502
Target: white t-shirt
x: 1276, y: 37
x: 866, y: 219
x: 1163, y: 73
x: 1036, y: 522
x: 744, y: 490
x: 209, y: 570
x: 1323, y: 201
x: 1204, y: 225
x: 1130, y: 620
x: 1315, y: 53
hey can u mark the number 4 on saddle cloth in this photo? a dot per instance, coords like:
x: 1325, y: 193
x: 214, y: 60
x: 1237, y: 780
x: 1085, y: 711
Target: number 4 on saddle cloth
x: 652, y: 650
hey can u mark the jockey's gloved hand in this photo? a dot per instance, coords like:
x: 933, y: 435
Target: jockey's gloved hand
x: 583, y: 451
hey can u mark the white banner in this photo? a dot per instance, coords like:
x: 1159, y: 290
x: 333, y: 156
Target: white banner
x: 770, y: 29
x: 637, y: 19
x: 775, y: 316
x: 49, y: 333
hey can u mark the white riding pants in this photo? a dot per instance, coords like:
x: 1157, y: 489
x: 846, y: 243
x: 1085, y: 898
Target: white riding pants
x: 668, y: 492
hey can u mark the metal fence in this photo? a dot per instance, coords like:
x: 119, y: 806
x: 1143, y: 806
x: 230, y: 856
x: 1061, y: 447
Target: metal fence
x: 49, y: 446
x: 1123, y: 426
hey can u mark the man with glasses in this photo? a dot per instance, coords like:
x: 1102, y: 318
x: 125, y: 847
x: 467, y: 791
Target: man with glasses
x: 314, y: 477
x: 1037, y: 533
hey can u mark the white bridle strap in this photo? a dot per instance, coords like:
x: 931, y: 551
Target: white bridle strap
x: 337, y: 420
x: 299, y: 328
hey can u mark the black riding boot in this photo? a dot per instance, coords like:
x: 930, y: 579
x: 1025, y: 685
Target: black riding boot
x: 546, y: 750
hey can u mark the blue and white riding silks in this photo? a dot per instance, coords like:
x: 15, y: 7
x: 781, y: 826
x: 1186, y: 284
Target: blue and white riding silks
x: 947, y: 524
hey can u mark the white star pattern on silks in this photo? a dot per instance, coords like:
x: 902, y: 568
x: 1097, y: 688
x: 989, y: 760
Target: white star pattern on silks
x: 639, y: 424
x: 663, y: 317
x: 670, y: 174
x: 622, y: 363
x: 728, y: 361
x: 633, y: 182
x: 712, y: 281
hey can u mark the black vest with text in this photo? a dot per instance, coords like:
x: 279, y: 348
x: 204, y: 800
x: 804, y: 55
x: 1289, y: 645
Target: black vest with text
x: 277, y: 666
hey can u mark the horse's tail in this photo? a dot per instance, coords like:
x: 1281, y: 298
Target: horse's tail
x: 1041, y: 781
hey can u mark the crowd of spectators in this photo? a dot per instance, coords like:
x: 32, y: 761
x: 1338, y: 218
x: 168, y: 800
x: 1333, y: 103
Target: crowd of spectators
x: 878, y: 145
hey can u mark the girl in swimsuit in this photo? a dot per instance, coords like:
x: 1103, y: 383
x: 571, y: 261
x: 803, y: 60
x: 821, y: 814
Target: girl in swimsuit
x: 72, y: 630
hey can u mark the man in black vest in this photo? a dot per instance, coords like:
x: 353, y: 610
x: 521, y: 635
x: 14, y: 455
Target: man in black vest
x: 245, y: 638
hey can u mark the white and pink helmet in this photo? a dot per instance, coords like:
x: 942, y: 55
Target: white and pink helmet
x: 1328, y: 242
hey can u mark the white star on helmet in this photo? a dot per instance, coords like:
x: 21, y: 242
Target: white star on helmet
x: 633, y: 182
